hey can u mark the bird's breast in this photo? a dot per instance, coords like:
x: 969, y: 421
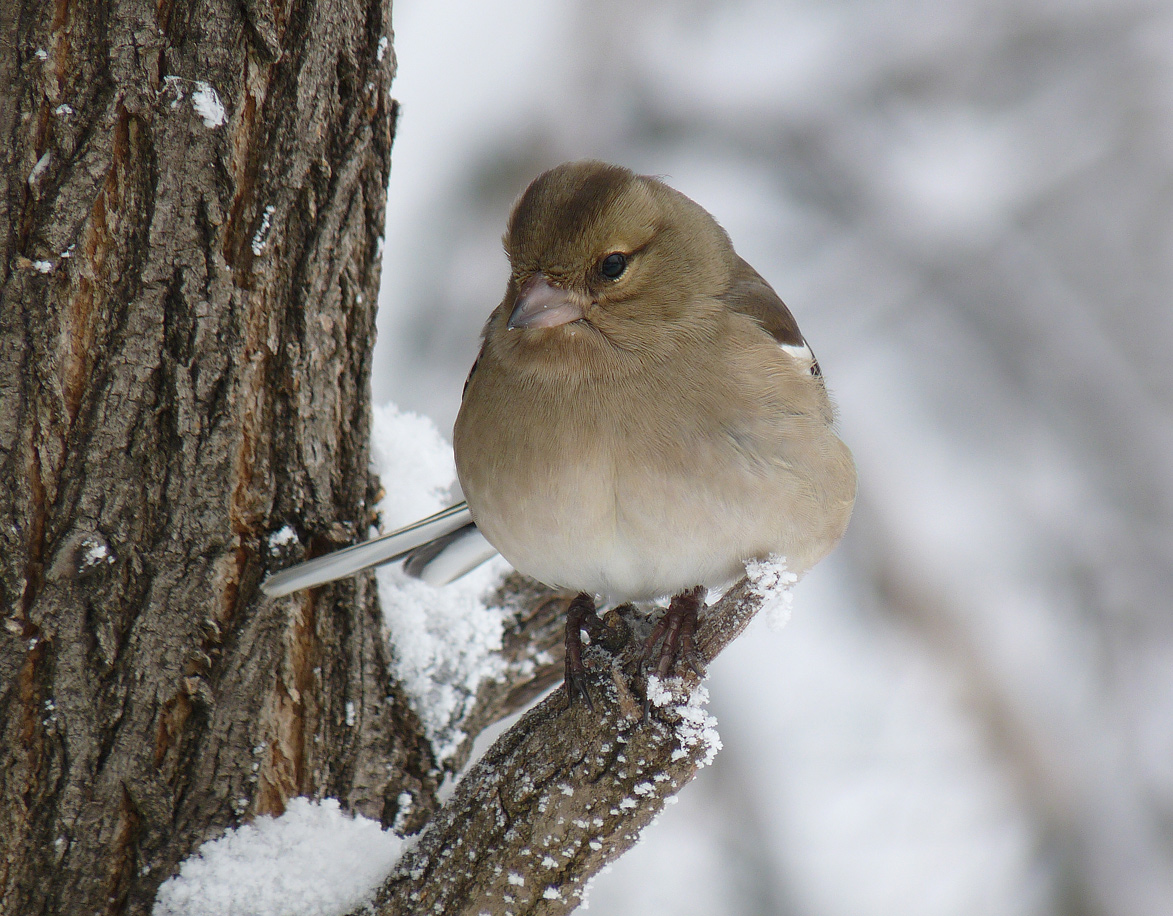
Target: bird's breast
x: 630, y: 488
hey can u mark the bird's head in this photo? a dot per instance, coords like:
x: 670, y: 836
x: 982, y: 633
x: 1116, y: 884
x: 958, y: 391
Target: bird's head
x: 604, y: 259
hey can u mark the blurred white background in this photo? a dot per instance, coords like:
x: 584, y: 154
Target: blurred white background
x: 969, y: 208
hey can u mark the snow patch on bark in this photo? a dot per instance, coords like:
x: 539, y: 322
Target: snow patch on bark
x: 314, y: 860
x: 773, y: 584
x: 207, y: 105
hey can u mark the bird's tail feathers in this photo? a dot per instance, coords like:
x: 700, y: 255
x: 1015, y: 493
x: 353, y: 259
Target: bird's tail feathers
x: 352, y: 560
x: 448, y: 558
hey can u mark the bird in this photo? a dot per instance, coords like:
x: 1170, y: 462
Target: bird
x: 644, y: 417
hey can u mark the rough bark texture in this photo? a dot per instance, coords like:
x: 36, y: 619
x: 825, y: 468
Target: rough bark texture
x: 186, y: 323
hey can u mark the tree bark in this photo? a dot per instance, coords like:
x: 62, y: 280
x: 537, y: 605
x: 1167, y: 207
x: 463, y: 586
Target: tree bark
x: 190, y: 218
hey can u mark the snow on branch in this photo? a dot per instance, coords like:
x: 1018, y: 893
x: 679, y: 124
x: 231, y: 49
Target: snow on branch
x: 567, y: 790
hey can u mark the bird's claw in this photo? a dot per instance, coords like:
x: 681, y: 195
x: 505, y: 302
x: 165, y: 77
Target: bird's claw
x: 581, y: 616
x: 677, y: 629
x: 576, y: 688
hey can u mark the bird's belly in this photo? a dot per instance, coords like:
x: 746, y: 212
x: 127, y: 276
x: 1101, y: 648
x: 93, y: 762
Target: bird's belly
x: 652, y: 533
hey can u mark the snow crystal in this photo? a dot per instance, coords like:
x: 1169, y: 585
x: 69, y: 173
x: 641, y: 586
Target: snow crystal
x: 207, y: 104
x: 515, y: 879
x: 695, y: 727
x: 93, y: 550
x: 43, y: 266
x: 312, y: 861
x: 405, y: 804
x: 95, y: 553
x: 552, y: 893
x: 282, y: 538
x: 445, y: 641
x: 658, y: 693
x: 772, y: 583
x: 261, y: 236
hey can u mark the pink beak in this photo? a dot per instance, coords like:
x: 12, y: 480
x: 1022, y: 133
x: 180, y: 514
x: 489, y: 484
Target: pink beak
x: 540, y: 304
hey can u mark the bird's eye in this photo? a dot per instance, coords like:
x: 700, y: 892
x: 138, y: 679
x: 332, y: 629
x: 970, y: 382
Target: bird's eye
x: 613, y: 265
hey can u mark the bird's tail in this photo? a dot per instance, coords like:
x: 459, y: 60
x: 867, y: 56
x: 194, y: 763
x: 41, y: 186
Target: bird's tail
x: 437, y: 549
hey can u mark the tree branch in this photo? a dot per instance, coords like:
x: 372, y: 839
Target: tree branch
x: 567, y: 789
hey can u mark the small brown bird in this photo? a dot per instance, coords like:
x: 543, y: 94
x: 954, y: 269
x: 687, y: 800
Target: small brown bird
x: 644, y: 416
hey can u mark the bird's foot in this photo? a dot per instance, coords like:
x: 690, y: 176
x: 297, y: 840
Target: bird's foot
x: 581, y: 616
x: 678, y: 630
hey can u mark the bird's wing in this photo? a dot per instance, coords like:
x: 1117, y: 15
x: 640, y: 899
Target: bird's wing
x: 352, y: 560
x: 751, y: 295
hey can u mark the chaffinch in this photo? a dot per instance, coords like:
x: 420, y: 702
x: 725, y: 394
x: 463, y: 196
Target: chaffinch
x: 643, y: 418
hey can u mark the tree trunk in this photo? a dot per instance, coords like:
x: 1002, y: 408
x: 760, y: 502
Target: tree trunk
x: 192, y: 203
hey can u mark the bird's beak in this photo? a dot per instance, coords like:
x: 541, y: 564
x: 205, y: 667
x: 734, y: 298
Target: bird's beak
x: 540, y: 304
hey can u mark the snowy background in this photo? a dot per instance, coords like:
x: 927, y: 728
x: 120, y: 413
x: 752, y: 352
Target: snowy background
x: 969, y: 208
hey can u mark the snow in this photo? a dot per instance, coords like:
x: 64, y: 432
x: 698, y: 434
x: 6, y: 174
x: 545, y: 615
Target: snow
x: 205, y: 101
x: 313, y: 860
x: 695, y: 727
x: 43, y: 266
x: 207, y: 105
x: 281, y: 539
x: 96, y: 553
x: 261, y: 236
x: 880, y: 771
x: 444, y: 641
x: 93, y: 550
x: 772, y: 583
x: 414, y: 463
